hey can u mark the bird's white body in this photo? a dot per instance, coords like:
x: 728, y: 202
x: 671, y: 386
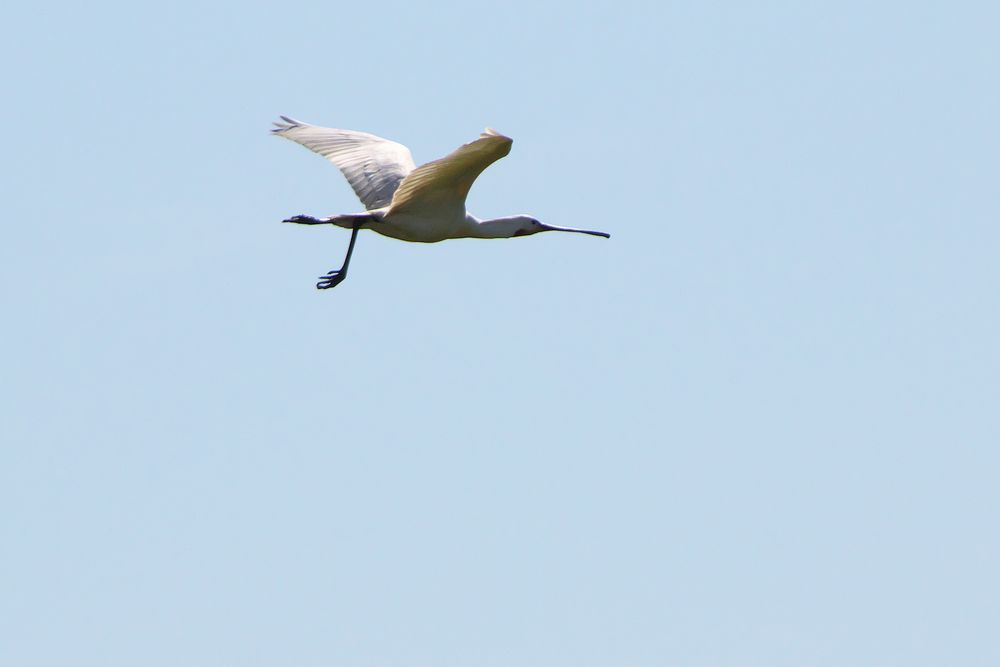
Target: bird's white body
x: 425, y: 227
x: 424, y: 204
x: 431, y: 227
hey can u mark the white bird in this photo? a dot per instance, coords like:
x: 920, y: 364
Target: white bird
x: 423, y: 204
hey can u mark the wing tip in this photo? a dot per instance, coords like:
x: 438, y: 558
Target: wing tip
x: 490, y: 133
x: 286, y: 124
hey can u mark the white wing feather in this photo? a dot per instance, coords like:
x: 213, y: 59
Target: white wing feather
x: 372, y: 165
x: 444, y: 184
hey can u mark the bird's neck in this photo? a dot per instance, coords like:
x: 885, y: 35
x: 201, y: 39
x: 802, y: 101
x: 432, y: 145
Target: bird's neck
x: 495, y: 228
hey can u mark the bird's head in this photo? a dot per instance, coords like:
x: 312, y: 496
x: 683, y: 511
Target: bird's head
x: 525, y: 225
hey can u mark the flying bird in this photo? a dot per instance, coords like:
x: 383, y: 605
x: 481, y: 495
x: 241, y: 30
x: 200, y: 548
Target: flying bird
x: 423, y: 204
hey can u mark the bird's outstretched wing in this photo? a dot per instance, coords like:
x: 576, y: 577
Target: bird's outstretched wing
x: 373, y: 166
x: 445, y: 183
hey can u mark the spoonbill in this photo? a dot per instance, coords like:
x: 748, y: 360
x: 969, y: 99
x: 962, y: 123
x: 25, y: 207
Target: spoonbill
x: 423, y: 204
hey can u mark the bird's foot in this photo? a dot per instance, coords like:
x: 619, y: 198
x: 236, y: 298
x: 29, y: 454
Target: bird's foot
x: 331, y: 279
x: 305, y: 220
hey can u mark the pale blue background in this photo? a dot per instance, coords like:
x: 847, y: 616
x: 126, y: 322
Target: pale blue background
x: 758, y: 426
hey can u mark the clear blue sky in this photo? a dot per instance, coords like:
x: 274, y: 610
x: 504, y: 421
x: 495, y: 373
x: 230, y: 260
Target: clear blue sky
x: 759, y: 426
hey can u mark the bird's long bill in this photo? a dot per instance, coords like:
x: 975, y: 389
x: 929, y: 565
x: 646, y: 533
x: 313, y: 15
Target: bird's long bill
x: 550, y: 228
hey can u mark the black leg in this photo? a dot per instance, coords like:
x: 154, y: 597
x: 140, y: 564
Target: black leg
x: 306, y: 220
x: 337, y: 276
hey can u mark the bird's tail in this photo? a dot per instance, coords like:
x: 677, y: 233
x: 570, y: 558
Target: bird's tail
x: 351, y: 220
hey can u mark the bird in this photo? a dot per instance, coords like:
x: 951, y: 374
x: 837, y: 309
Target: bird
x: 424, y: 204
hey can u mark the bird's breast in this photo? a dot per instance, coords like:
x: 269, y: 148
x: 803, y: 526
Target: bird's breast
x: 420, y: 229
